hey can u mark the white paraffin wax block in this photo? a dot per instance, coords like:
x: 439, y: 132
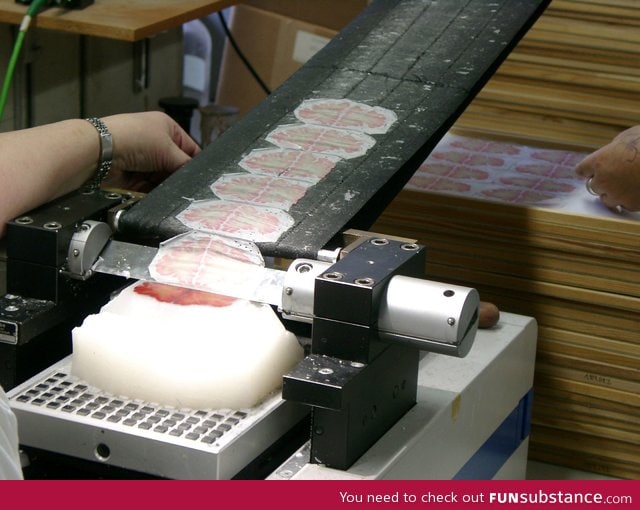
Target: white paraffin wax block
x: 184, y: 348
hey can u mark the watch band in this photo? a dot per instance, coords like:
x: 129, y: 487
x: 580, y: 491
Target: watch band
x: 106, y: 153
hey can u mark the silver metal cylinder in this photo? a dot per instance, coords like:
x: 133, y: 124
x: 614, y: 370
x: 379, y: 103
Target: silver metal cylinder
x: 430, y: 315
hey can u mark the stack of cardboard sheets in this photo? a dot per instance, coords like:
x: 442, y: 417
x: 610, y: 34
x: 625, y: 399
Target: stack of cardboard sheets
x: 573, y: 79
x: 516, y: 223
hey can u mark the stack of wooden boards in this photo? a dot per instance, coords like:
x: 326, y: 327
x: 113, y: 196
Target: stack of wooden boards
x: 573, y: 79
x: 578, y: 277
x: 572, y: 82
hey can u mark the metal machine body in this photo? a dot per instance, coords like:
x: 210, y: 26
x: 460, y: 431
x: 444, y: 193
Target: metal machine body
x: 43, y: 302
x: 362, y: 372
x: 61, y: 414
x: 471, y: 420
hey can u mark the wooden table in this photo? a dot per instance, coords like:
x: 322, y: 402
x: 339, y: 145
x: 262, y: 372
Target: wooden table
x: 125, y: 20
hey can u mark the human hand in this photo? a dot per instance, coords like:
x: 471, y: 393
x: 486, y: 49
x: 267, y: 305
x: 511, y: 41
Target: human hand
x: 613, y: 171
x: 147, y: 147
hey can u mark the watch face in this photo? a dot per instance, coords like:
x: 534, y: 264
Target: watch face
x: 106, y: 147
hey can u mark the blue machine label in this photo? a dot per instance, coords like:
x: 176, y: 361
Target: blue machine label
x: 496, y: 450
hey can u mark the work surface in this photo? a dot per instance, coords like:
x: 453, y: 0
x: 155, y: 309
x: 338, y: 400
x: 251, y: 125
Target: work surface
x: 116, y: 19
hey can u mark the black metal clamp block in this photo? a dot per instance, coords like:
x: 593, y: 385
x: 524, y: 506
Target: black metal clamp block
x: 38, y: 244
x: 351, y: 289
x: 353, y: 403
x: 347, y: 296
x: 357, y: 384
x: 43, y: 304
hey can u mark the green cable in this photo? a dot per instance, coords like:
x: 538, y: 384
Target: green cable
x: 9, y: 76
x: 34, y: 9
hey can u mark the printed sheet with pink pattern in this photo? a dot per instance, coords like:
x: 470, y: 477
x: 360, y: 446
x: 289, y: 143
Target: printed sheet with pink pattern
x: 510, y: 173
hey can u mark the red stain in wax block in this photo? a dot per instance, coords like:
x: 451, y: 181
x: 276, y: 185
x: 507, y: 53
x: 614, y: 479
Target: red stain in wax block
x: 181, y: 296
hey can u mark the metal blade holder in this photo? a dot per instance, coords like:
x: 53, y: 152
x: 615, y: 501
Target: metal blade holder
x: 371, y: 315
x: 44, y: 300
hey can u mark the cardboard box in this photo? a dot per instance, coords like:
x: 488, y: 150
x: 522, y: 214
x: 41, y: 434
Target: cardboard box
x: 275, y: 45
x: 333, y: 14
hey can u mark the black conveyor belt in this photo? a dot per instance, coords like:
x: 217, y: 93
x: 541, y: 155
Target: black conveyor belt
x: 423, y: 59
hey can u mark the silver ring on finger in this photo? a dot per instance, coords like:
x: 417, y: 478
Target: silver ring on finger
x: 589, y: 188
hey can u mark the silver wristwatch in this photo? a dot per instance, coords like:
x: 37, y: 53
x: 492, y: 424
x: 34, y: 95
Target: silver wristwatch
x: 106, y: 153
